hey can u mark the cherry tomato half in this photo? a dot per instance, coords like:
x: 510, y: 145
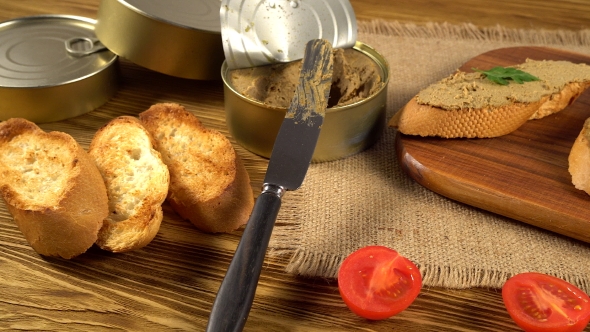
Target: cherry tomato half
x: 376, y: 282
x: 538, y: 302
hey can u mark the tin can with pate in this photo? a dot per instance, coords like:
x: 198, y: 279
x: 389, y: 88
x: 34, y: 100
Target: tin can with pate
x: 347, y: 129
x: 262, y: 33
x: 52, y: 67
x: 181, y: 38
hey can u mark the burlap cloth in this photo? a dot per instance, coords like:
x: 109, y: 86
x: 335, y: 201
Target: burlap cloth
x: 367, y: 199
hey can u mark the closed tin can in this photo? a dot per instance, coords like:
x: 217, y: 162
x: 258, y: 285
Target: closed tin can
x: 347, y: 129
x: 180, y: 38
x: 52, y: 67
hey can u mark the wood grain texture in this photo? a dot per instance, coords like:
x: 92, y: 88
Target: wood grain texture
x: 523, y: 175
x: 170, y: 284
x: 521, y: 14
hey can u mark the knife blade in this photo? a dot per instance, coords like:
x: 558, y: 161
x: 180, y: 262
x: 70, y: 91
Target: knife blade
x: 288, y: 164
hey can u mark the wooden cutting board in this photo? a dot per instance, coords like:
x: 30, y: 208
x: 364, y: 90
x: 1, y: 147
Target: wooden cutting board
x: 523, y: 175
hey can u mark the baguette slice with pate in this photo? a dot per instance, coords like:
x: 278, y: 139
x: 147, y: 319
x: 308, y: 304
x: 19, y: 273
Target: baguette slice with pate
x: 209, y: 184
x: 469, y: 105
x: 52, y: 189
x: 136, y: 180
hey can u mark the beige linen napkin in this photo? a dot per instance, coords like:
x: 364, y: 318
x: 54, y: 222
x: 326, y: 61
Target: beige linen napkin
x: 367, y: 199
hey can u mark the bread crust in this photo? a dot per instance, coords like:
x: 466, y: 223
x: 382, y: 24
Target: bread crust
x: 425, y: 120
x: 69, y: 226
x: 209, y: 184
x: 579, y: 159
x: 558, y: 101
x: 136, y: 180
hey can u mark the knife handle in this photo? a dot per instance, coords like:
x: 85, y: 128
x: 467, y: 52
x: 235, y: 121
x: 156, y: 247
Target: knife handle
x: 236, y: 293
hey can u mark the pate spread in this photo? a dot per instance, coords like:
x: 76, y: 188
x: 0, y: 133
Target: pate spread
x: 473, y: 91
x: 355, y: 77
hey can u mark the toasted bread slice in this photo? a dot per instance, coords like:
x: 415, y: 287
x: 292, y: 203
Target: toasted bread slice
x: 209, y: 184
x: 52, y: 189
x: 469, y: 105
x: 579, y: 159
x: 136, y: 180
x: 426, y: 120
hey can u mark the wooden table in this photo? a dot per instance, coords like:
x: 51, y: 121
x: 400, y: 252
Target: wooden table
x: 171, y: 284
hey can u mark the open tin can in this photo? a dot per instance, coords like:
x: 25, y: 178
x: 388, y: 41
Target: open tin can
x: 347, y: 129
x: 257, y: 33
x: 52, y: 67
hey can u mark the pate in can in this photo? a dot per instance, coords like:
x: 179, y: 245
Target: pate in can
x: 348, y: 128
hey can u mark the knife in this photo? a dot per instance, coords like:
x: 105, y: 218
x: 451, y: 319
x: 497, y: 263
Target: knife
x: 288, y: 164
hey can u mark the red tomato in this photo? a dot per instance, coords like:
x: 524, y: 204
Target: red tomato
x: 376, y: 282
x: 538, y: 302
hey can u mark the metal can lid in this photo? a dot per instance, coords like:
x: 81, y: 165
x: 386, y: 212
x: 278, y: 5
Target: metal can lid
x: 260, y: 32
x: 49, y: 50
x: 195, y: 14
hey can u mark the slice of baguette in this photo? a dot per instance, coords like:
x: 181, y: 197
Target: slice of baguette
x: 426, y: 120
x: 560, y: 84
x: 209, y: 185
x: 136, y: 180
x: 52, y: 189
x: 579, y: 159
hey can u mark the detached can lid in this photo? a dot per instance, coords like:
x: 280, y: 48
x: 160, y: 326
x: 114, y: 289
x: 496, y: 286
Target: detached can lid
x: 261, y: 32
x: 52, y: 67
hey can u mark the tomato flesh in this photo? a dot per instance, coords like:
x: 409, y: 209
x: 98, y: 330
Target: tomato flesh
x: 538, y: 303
x: 376, y: 282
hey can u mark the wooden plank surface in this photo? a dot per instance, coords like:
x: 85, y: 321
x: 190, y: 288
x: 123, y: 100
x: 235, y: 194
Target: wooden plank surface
x: 521, y: 14
x: 170, y: 285
x: 522, y: 175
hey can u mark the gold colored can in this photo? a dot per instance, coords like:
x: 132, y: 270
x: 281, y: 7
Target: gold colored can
x: 52, y: 67
x: 347, y: 129
x: 180, y: 38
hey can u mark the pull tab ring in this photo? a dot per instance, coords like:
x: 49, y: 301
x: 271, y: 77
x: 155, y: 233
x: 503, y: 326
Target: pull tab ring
x: 91, y: 45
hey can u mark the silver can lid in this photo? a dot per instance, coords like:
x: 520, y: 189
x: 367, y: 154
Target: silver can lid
x: 195, y: 14
x: 260, y: 32
x: 42, y: 51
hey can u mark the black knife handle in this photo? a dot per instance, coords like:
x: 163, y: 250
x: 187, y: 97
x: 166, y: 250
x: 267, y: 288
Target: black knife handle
x: 236, y: 293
